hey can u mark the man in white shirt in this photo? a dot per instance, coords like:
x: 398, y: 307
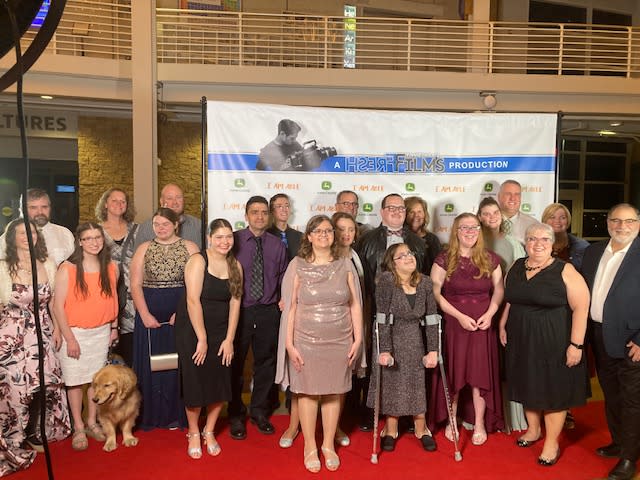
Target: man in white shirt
x: 60, y: 241
x: 612, y: 271
x: 189, y: 226
x: 515, y: 222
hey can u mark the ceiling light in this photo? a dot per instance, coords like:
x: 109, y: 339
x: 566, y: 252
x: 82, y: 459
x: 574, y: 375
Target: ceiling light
x: 46, y: 97
x: 606, y: 133
x: 615, y: 124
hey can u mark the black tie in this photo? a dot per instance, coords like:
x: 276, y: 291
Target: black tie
x: 257, y: 272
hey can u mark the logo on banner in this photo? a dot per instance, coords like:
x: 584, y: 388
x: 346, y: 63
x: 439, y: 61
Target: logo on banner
x: 526, y: 207
x: 410, y: 187
x: 488, y: 187
x: 449, y: 208
x: 326, y: 185
x: 367, y: 207
x: 238, y: 225
x: 239, y: 183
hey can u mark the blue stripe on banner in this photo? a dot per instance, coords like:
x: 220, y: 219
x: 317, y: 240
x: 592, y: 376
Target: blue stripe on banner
x: 400, y: 163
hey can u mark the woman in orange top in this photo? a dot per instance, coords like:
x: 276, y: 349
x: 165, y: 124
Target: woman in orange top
x: 86, y: 309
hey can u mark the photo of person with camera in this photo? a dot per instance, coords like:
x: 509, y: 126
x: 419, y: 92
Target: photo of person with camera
x: 285, y: 152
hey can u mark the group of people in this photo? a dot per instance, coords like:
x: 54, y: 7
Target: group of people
x: 360, y: 302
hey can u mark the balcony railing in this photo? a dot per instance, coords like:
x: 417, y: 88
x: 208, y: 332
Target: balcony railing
x: 103, y: 29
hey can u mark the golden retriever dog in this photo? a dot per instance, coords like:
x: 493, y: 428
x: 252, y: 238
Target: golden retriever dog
x: 118, y: 399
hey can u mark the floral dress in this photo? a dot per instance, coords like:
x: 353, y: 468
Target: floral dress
x: 19, y: 376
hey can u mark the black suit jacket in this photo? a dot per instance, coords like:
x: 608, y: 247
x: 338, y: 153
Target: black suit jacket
x: 294, y: 237
x: 621, y: 316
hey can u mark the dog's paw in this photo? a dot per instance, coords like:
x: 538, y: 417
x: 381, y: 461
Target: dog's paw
x: 110, y: 445
x: 130, y: 442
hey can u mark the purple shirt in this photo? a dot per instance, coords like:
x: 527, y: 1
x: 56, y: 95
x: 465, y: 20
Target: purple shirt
x: 275, y: 264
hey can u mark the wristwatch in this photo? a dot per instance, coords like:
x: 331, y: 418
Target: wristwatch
x: 579, y: 347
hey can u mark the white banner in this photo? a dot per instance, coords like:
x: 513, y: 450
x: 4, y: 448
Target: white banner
x: 451, y: 160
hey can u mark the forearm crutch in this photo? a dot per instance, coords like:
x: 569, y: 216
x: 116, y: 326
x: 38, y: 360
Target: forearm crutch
x: 452, y: 420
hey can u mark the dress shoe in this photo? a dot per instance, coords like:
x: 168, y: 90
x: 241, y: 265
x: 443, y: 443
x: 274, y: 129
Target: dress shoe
x: 522, y: 443
x: 366, y: 425
x: 237, y: 430
x: 263, y: 424
x: 387, y: 443
x: 609, y: 451
x: 549, y: 462
x: 624, y: 470
x: 428, y: 443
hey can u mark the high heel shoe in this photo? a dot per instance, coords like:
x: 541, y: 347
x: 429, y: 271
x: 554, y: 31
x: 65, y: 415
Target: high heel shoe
x: 194, y: 452
x: 342, y: 439
x: 546, y: 462
x: 331, y: 459
x: 287, y: 442
x: 213, y: 447
x: 311, y: 461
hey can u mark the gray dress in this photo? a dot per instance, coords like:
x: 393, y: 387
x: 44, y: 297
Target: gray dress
x: 402, y: 386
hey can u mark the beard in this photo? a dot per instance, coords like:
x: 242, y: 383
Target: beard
x: 41, y: 220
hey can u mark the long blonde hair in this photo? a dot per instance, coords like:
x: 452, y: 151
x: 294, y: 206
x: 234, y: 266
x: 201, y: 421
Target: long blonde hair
x: 479, y: 256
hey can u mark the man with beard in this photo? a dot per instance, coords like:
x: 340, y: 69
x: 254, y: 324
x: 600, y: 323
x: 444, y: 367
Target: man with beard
x: 59, y: 239
x: 189, y: 227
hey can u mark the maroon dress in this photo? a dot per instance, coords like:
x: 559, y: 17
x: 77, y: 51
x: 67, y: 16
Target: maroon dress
x: 471, y: 358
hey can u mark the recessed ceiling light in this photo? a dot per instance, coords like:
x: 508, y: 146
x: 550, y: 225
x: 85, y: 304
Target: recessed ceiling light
x: 607, y: 132
x: 46, y: 97
x: 615, y: 124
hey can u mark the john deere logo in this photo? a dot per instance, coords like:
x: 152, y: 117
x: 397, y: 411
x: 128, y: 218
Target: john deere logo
x: 239, y: 182
x: 448, y: 208
x: 238, y: 225
x: 410, y: 187
x: 488, y: 187
x: 526, y: 207
x: 367, y: 207
x: 326, y: 185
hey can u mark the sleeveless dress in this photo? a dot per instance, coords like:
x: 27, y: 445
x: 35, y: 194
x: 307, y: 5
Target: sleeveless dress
x: 323, y: 332
x: 471, y: 358
x: 19, y: 376
x: 162, y: 286
x: 538, y: 334
x: 202, y: 385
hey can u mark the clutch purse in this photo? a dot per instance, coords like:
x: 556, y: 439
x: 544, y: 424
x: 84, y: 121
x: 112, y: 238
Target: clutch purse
x: 160, y: 362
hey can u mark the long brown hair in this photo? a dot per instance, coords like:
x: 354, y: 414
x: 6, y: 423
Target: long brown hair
x: 389, y: 265
x: 39, y: 249
x: 411, y: 202
x: 235, y: 279
x: 306, y: 249
x: 104, y: 257
x: 479, y: 256
x: 101, y: 207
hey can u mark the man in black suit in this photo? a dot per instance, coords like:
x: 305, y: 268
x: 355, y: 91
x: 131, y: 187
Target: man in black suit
x: 280, y: 211
x: 612, y: 270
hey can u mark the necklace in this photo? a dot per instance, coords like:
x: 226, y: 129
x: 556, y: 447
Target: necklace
x: 529, y: 268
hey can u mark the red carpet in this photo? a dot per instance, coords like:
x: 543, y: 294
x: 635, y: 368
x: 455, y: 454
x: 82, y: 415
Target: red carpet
x: 162, y: 455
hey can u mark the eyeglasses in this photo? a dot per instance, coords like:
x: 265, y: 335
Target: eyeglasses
x: 620, y: 221
x: 348, y: 204
x: 469, y: 228
x: 405, y: 255
x: 321, y: 231
x: 394, y: 208
x: 92, y: 239
x: 538, y: 239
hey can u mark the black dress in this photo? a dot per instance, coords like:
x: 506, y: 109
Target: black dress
x: 538, y: 334
x: 210, y: 382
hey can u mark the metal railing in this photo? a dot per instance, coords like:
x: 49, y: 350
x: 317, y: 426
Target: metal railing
x: 103, y: 29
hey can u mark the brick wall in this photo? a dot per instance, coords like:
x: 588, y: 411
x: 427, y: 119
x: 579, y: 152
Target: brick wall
x: 105, y: 160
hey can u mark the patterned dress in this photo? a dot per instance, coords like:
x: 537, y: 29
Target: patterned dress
x: 19, y: 376
x: 163, y: 287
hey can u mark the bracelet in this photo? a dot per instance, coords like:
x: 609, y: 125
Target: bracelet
x: 114, y: 328
x: 579, y: 347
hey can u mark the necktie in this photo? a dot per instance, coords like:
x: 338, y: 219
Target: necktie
x: 507, y: 226
x: 283, y: 237
x: 257, y: 272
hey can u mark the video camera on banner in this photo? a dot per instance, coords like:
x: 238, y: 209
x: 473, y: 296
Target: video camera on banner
x: 310, y: 157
